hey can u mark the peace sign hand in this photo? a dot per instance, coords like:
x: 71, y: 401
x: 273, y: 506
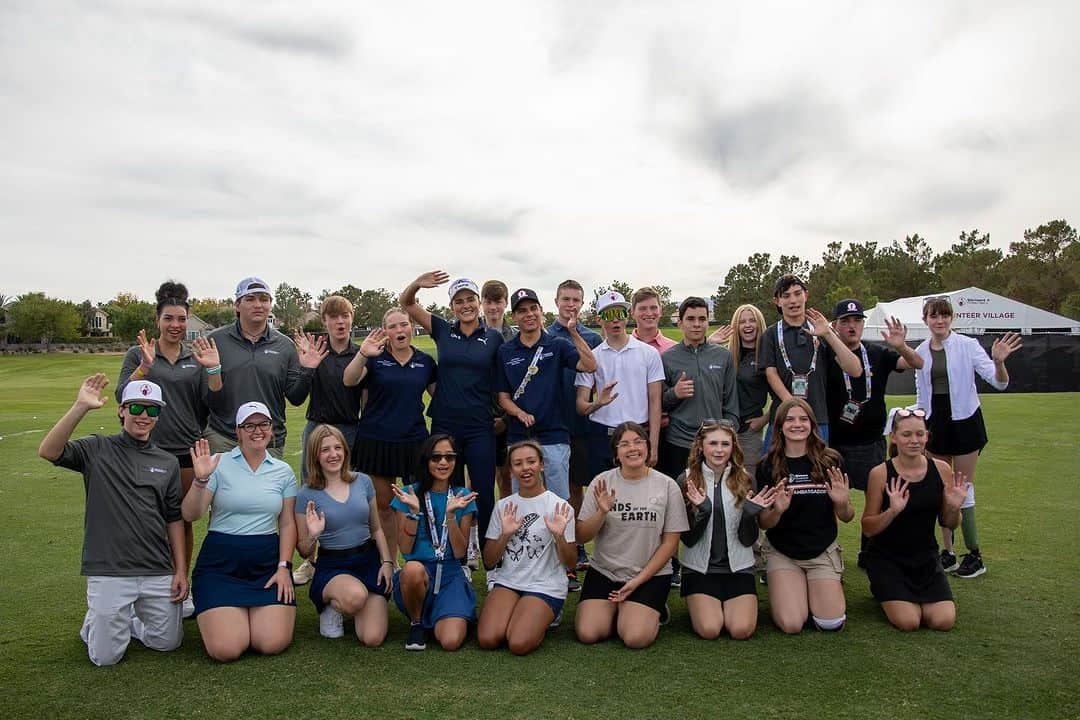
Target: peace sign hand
x: 89, y: 397
x: 407, y: 497
x: 373, y: 344
x: 605, y: 499
x: 433, y: 278
x: 1005, y: 346
x: 558, y: 520
x: 956, y: 491
x: 316, y: 521
x: 149, y: 350
x: 509, y: 520
x: 206, y: 352
x: 838, y: 485
x: 898, y: 493
x: 203, y: 463
x: 694, y: 494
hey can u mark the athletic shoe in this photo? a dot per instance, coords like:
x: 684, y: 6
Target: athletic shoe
x: 556, y: 622
x: 491, y: 578
x: 471, y: 558
x: 417, y: 639
x: 971, y: 566
x: 948, y: 561
x: 331, y: 624
x: 303, y: 574
x: 676, y: 578
x: 572, y: 584
x: 665, y: 615
x: 582, y: 558
x: 189, y: 607
x: 468, y: 572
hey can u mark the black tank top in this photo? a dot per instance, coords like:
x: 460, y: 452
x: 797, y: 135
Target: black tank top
x: 910, y: 537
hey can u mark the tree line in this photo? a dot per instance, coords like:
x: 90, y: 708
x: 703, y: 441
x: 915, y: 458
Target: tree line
x: 1042, y: 270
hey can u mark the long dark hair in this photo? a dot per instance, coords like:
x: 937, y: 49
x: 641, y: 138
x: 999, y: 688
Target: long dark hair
x: 821, y: 457
x: 171, y: 293
x: 424, y: 481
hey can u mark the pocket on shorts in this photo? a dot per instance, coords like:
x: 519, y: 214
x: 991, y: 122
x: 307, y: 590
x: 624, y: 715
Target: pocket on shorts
x: 836, y: 557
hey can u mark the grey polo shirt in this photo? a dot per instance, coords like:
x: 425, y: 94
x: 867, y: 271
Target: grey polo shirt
x: 184, y: 389
x: 800, y: 349
x: 716, y: 396
x: 266, y: 371
x: 132, y: 493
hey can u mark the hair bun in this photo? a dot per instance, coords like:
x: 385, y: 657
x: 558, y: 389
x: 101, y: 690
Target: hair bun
x: 172, y: 292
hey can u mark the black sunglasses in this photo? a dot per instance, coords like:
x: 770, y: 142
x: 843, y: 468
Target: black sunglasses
x: 448, y: 457
x: 139, y: 409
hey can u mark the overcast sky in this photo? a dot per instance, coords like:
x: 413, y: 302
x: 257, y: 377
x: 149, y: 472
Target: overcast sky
x: 328, y: 143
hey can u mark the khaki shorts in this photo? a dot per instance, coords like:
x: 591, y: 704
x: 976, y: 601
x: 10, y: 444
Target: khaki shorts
x: 829, y: 565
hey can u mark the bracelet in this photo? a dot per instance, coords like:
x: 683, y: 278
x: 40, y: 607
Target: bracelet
x: 388, y: 562
x: 201, y: 482
x: 216, y: 370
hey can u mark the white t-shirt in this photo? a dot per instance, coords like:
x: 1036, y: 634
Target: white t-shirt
x: 634, y: 366
x: 531, y: 560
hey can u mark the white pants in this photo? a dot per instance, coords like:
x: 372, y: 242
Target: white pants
x: 118, y: 608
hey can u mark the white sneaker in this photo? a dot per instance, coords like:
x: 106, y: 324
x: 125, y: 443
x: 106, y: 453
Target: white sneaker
x: 556, y: 622
x: 331, y: 623
x: 472, y: 558
x: 303, y: 574
x: 492, y: 578
x: 189, y: 607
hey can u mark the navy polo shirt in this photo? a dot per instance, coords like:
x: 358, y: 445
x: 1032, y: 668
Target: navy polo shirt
x: 394, y: 411
x: 543, y: 393
x: 466, y: 373
x: 579, y: 425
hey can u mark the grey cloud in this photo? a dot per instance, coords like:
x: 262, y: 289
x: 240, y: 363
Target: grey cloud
x: 456, y: 216
x: 955, y: 199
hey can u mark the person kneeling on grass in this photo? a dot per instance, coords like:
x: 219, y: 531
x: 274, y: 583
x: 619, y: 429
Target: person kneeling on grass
x: 718, y: 563
x: 133, y: 536
x: 635, y: 515
x: 802, y: 557
x: 354, y: 573
x: 242, y: 582
x: 433, y: 534
x: 906, y: 496
x: 531, y: 537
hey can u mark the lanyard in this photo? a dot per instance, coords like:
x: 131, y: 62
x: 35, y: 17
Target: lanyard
x: 440, y: 548
x: 534, y: 367
x: 783, y: 349
x: 866, y: 374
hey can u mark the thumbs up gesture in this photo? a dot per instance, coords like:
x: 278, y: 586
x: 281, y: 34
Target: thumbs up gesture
x: 684, y: 387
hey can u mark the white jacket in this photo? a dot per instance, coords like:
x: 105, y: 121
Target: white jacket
x: 740, y: 557
x: 964, y: 357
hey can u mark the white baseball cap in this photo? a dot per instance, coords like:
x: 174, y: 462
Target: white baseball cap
x: 252, y: 285
x: 142, y: 391
x: 463, y: 284
x: 609, y: 299
x: 252, y: 408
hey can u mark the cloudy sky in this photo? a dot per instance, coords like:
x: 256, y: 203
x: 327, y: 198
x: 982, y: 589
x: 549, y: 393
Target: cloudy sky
x: 328, y: 143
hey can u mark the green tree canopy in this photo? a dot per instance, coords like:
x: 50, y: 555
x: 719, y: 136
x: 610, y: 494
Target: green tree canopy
x: 37, y: 318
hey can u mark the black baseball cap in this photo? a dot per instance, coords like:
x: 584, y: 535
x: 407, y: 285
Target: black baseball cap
x: 848, y: 308
x: 520, y: 295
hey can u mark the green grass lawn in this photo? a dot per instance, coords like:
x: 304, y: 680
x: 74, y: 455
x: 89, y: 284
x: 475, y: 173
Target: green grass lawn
x: 1008, y: 657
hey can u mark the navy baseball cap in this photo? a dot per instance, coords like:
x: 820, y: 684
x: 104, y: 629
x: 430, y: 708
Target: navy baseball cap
x: 847, y: 308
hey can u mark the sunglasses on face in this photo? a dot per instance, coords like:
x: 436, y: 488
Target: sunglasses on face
x: 906, y: 413
x: 612, y: 314
x: 439, y: 457
x: 253, y: 426
x: 139, y: 409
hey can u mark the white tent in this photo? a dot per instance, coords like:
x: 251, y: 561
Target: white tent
x: 975, y: 311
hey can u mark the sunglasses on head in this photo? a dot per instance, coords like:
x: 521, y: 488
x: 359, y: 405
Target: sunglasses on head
x: 906, y: 413
x: 448, y: 457
x: 934, y: 298
x: 612, y: 314
x: 712, y: 423
x: 139, y: 409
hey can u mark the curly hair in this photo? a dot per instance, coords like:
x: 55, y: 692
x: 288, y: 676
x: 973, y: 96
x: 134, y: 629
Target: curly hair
x: 738, y: 480
x: 171, y: 292
x: 821, y: 456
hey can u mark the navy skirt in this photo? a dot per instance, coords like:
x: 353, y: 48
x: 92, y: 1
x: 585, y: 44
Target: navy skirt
x: 232, y: 570
x: 364, y: 566
x: 455, y: 599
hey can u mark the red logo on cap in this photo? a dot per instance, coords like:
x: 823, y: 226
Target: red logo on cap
x: 612, y: 296
x: 145, y: 390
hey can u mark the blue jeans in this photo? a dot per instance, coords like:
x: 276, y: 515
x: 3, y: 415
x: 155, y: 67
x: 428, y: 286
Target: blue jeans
x: 477, y: 446
x: 348, y: 430
x: 556, y: 470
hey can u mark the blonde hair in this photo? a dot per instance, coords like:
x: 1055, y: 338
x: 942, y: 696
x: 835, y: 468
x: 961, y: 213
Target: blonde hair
x: 335, y: 305
x: 738, y: 480
x: 316, y: 480
x: 734, y: 344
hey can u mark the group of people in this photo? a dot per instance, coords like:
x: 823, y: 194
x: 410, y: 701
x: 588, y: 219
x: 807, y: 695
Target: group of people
x: 650, y: 449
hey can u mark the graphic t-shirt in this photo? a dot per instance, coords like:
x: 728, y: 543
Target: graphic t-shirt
x: 531, y: 560
x: 643, y: 510
x: 808, y: 526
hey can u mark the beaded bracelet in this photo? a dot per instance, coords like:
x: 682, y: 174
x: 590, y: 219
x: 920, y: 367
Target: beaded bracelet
x: 216, y: 370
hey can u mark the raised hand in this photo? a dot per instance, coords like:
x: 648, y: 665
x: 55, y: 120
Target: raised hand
x: 722, y: 335
x: 311, y: 350
x: 684, y: 387
x: 694, y: 494
x: 316, y: 521
x: 148, y: 348
x: 459, y: 502
x: 372, y: 346
x: 782, y: 497
x: 1005, y: 346
x: 819, y: 324
x: 202, y: 462
x: 206, y: 352
x: 605, y: 499
x: 571, y: 323
x: 509, y: 519
x: 606, y: 396
x: 895, y: 333
x: 559, y: 519
x: 838, y: 485
x: 89, y: 397
x: 433, y: 278
x: 956, y: 491
x: 898, y: 492
x: 407, y: 497
x: 764, y: 499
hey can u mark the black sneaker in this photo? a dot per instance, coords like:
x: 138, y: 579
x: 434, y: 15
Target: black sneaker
x: 948, y: 561
x: 417, y: 639
x: 971, y: 565
x: 676, y: 578
x: 572, y: 584
x: 665, y: 615
x: 582, y: 558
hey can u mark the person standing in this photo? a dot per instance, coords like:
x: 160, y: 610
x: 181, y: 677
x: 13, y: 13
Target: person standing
x: 743, y: 339
x: 258, y: 364
x: 133, y: 535
x: 494, y: 296
x: 646, y: 312
x: 945, y: 387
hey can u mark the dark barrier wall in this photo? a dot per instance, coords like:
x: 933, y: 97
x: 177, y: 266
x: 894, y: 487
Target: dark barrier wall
x: 1046, y: 363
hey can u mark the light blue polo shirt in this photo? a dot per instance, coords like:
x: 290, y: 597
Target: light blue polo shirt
x: 246, y: 501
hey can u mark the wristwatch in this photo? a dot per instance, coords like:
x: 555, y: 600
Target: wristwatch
x: 413, y: 516
x: 287, y: 564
